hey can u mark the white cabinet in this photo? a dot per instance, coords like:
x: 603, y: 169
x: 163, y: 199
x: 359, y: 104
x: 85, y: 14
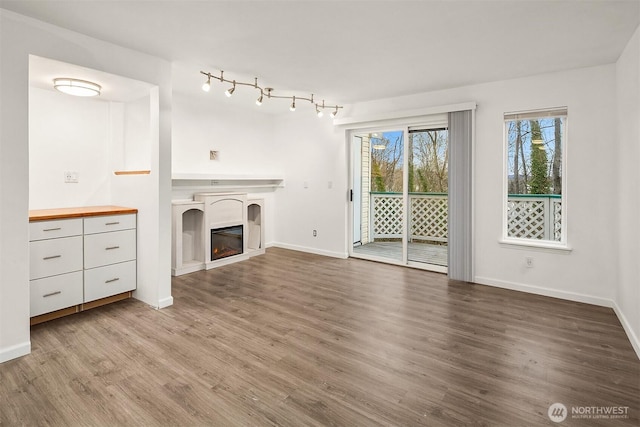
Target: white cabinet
x: 109, y: 248
x: 81, y: 260
x: 109, y: 256
x: 55, y: 293
x: 55, y: 265
x: 103, y: 224
x: 109, y: 280
x: 55, y: 256
x: 53, y: 229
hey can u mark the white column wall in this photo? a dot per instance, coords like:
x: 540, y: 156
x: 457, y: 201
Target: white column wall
x: 628, y: 192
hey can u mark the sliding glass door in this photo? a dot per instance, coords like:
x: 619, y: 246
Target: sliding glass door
x: 399, y: 196
x: 428, y: 195
x: 378, y: 194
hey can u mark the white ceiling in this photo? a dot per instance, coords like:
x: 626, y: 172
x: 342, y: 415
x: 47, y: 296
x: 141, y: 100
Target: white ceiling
x: 42, y: 71
x: 348, y: 51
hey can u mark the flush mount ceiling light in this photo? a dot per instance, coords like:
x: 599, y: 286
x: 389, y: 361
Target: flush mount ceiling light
x: 267, y: 91
x: 76, y: 87
x: 376, y: 142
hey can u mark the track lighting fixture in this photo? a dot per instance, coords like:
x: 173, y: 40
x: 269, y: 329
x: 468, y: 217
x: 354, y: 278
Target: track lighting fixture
x: 207, y: 85
x: 268, y: 92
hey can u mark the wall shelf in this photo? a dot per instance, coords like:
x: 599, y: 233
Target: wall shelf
x: 225, y: 181
x: 131, y: 172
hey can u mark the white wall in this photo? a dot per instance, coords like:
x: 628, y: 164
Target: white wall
x: 316, y: 192
x: 242, y: 134
x: 587, y: 273
x: 67, y: 133
x: 628, y: 126
x: 20, y: 37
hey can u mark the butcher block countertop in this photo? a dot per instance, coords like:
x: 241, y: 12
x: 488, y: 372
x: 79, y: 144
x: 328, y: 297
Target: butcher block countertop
x: 80, y: 212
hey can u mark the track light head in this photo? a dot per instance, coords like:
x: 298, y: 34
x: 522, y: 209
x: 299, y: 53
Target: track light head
x: 293, y: 105
x: 319, y: 112
x: 334, y: 113
x: 229, y: 91
x: 259, y: 100
x: 207, y: 85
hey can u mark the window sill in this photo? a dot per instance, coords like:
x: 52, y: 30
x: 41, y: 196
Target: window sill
x: 533, y: 244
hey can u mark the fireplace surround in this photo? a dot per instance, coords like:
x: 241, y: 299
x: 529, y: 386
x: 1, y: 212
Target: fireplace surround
x: 215, y: 229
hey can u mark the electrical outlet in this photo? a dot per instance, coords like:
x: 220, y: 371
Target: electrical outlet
x: 71, y: 177
x: 529, y: 261
x: 315, y: 233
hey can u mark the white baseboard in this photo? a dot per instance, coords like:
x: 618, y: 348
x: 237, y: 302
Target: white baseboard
x: 635, y: 342
x: 165, y: 302
x: 15, y: 351
x: 570, y: 296
x: 548, y: 292
x: 309, y: 250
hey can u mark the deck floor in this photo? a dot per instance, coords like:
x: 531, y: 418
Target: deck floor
x: 419, y: 252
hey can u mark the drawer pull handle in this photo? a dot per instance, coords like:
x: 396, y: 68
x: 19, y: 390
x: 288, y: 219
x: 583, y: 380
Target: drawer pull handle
x: 52, y: 257
x: 112, y: 223
x: 52, y: 229
x: 112, y: 280
x: 111, y: 247
x: 51, y: 294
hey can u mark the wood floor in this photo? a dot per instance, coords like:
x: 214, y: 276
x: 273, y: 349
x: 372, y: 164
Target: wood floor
x: 296, y: 339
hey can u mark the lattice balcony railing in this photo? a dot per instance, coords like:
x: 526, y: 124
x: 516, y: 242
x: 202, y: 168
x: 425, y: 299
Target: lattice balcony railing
x: 534, y: 217
x: 529, y: 216
x: 428, y: 214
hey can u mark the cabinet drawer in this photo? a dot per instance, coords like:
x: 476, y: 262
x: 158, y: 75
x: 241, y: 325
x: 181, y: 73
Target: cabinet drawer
x: 55, y: 293
x: 55, y: 256
x: 109, y: 248
x: 40, y: 230
x: 103, y: 224
x: 113, y: 279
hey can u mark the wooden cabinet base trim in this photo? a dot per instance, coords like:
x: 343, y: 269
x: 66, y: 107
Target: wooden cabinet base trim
x: 80, y: 307
x: 54, y: 315
x: 104, y: 301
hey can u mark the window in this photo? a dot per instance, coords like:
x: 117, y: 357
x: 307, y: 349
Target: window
x: 535, y: 170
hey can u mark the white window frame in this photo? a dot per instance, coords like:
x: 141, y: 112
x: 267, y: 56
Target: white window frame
x: 518, y: 241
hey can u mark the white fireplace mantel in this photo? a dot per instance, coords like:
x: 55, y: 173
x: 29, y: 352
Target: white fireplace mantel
x: 193, y: 221
x: 226, y: 181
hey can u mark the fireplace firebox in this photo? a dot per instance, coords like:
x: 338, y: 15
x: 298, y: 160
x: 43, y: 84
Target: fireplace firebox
x: 226, y: 242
